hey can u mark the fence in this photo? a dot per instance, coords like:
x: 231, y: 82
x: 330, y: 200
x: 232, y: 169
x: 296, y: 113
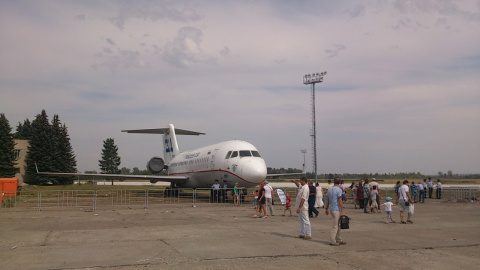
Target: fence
x: 151, y: 198
x: 459, y: 194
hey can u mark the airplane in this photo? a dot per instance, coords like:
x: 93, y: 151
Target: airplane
x: 234, y: 161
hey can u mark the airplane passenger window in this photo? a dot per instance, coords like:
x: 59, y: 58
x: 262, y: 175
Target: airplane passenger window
x: 228, y: 155
x: 245, y: 153
x: 234, y: 154
x: 256, y: 154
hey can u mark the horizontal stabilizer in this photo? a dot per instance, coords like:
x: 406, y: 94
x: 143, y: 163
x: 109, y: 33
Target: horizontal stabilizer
x: 162, y: 131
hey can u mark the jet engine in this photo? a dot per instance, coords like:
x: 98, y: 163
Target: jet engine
x: 156, y: 165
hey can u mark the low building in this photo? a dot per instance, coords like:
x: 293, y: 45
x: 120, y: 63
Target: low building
x: 20, y: 151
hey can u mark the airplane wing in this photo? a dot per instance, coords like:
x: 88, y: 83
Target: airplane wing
x: 277, y: 175
x: 172, y: 179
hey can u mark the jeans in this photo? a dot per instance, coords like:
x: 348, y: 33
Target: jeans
x: 311, y: 207
x: 365, y: 205
x: 422, y: 196
x: 305, y: 228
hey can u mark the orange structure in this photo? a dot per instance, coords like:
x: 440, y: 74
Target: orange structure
x: 8, y: 188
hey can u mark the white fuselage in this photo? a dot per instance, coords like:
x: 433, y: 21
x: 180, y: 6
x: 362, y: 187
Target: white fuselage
x: 242, y: 165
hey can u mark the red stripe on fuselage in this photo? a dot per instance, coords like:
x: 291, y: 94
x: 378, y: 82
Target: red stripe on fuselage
x: 211, y: 171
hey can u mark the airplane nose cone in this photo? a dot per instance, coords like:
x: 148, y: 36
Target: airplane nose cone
x: 255, y: 172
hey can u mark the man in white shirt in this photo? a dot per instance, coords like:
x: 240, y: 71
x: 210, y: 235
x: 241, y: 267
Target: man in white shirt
x: 268, y: 197
x: 439, y: 189
x: 301, y: 203
x: 215, y: 192
x: 403, y: 196
x: 430, y: 187
x: 421, y: 189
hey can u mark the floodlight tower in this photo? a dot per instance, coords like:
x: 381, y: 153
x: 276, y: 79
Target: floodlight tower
x: 304, y: 151
x: 313, y: 79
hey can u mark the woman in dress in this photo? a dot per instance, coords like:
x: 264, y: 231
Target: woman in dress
x: 319, y: 196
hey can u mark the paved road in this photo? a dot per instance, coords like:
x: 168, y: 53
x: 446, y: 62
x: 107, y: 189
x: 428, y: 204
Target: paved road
x: 210, y: 236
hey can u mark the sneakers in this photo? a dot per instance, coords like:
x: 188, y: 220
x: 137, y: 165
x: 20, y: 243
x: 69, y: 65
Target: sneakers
x: 338, y: 243
x: 307, y: 238
x: 299, y: 236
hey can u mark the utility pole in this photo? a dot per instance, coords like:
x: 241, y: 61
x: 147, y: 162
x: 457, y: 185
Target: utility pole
x: 312, y: 79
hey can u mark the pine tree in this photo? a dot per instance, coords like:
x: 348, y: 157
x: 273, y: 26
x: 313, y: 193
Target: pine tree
x: 7, y: 145
x: 24, y: 132
x: 63, y: 155
x: 110, y: 159
x: 40, y: 150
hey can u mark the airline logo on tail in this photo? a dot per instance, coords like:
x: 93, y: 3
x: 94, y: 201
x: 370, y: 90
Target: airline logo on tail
x: 168, y: 145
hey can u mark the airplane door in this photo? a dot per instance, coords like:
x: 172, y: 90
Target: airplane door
x: 212, y: 159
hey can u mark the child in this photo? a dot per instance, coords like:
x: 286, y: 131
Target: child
x: 255, y: 201
x: 388, y: 208
x: 287, y: 205
x: 373, y: 199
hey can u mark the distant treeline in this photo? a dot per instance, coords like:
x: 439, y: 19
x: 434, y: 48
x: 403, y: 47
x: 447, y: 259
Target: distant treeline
x: 411, y: 175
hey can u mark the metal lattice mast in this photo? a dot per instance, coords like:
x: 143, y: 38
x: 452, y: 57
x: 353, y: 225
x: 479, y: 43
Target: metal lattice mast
x: 312, y: 79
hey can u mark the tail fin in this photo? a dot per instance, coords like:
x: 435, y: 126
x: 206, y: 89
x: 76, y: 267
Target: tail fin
x: 170, y: 145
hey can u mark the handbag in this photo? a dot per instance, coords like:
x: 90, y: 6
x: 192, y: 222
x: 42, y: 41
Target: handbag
x: 344, y: 222
x: 407, y: 203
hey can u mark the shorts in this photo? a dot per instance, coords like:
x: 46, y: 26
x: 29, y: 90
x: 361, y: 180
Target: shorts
x: 374, y: 204
x: 401, y: 206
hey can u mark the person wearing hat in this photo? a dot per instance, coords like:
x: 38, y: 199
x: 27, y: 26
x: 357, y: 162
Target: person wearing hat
x: 388, y: 209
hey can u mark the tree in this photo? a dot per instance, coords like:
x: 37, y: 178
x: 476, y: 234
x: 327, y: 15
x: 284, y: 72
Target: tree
x: 110, y: 158
x: 63, y: 155
x: 41, y: 148
x: 7, y: 147
x: 24, y: 132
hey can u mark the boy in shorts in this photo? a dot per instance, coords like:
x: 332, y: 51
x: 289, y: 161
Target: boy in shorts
x: 388, y: 208
x: 287, y: 205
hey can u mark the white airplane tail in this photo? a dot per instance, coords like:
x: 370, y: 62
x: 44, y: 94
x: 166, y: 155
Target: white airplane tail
x: 170, y: 145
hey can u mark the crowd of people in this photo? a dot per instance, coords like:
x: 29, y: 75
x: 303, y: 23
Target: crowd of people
x: 366, y: 195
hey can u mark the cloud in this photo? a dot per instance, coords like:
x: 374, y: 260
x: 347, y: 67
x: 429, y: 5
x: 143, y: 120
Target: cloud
x: 401, y: 92
x: 185, y: 49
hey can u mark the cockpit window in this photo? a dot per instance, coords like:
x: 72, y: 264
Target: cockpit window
x: 256, y: 154
x: 245, y: 153
x: 228, y: 155
x: 234, y: 154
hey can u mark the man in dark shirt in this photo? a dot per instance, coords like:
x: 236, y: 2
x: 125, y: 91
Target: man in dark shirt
x: 312, y: 196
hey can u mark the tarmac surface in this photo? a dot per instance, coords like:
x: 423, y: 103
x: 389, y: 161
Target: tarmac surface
x: 221, y: 236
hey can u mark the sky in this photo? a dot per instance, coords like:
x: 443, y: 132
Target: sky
x: 401, y: 94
